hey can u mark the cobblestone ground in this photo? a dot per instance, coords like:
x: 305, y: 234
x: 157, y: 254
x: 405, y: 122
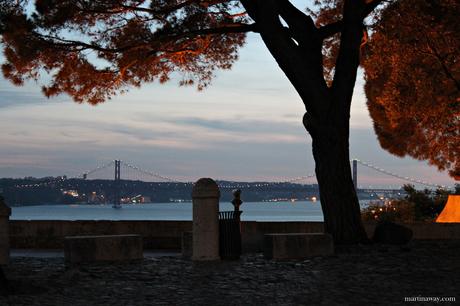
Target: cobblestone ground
x: 363, y: 275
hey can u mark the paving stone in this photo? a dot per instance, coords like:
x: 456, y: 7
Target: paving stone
x: 360, y: 275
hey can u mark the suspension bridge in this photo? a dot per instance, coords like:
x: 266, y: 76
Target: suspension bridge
x: 119, y: 171
x: 132, y: 172
x: 136, y: 173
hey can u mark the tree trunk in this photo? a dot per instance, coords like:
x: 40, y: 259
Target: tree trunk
x: 297, y: 48
x: 339, y: 202
x: 4, y: 286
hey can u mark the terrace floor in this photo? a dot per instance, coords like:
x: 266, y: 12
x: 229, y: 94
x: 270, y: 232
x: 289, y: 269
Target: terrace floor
x: 360, y: 275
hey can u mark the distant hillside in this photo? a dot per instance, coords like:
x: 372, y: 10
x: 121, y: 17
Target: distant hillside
x: 60, y: 190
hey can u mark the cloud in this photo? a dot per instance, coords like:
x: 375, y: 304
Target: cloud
x: 241, y: 125
x: 19, y: 96
x: 208, y: 123
x: 10, y: 98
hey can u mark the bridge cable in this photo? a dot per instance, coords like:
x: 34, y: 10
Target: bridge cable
x: 405, y: 178
x: 152, y: 174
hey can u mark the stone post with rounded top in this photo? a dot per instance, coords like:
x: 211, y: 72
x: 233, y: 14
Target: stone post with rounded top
x: 5, y: 213
x: 205, y: 195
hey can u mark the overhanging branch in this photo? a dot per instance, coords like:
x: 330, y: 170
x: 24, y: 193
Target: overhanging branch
x: 234, y: 28
x: 330, y: 29
x: 333, y: 28
x: 301, y: 25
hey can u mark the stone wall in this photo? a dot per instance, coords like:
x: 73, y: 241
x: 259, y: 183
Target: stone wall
x: 50, y: 234
x: 167, y: 234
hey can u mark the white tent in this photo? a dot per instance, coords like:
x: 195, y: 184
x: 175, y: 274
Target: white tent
x: 451, y: 211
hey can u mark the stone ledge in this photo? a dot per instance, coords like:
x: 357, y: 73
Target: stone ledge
x: 297, y: 245
x: 79, y: 249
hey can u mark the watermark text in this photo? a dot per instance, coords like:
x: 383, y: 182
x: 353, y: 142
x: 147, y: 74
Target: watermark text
x: 435, y: 299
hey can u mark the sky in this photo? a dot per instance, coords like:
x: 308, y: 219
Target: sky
x: 246, y: 126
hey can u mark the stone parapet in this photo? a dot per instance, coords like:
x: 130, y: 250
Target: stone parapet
x: 49, y: 234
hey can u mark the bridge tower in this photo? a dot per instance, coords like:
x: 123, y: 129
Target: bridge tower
x: 116, y: 184
x: 355, y: 174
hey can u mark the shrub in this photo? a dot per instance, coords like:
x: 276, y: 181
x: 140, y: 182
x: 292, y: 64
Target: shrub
x: 393, y: 210
x: 416, y: 206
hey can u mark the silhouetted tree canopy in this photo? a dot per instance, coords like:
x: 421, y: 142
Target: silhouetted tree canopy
x: 412, y: 72
x: 92, y: 50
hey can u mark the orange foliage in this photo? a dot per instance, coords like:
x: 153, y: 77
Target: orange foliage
x: 412, y: 73
x: 92, y: 50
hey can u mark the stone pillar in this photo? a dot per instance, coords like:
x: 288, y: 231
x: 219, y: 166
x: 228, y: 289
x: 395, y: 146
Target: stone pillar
x: 205, y: 196
x: 5, y: 213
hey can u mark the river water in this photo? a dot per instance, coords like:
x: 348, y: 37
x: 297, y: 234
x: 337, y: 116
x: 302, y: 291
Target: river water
x: 252, y: 211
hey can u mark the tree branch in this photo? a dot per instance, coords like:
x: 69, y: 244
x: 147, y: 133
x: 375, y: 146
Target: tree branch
x: 301, y: 25
x: 333, y: 28
x: 349, y: 51
x: 442, y: 63
x: 117, y: 9
x: 330, y: 29
x: 158, y: 13
x: 232, y: 28
x: 371, y: 5
x: 251, y: 7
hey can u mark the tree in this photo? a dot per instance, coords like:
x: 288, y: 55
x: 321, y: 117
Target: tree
x: 412, y: 72
x: 138, y: 41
